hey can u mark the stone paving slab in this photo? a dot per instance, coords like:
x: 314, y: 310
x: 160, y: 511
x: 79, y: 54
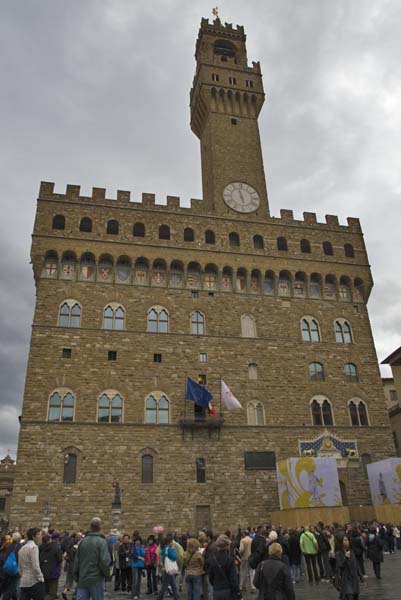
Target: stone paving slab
x: 387, y: 588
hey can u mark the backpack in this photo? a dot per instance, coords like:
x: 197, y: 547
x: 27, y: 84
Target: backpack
x: 254, y: 559
x: 10, y: 566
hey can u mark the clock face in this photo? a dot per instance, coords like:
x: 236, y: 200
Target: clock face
x: 241, y: 197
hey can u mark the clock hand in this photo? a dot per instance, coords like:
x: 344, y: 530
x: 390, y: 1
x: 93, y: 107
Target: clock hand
x: 241, y: 196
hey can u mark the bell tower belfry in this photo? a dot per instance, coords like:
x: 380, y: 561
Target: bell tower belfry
x: 226, y: 99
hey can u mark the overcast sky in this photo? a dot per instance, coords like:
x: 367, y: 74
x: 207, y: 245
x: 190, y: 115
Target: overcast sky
x: 96, y: 93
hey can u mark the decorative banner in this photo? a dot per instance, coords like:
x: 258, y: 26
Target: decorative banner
x: 385, y: 481
x: 308, y: 482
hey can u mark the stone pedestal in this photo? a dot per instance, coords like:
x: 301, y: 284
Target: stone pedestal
x: 116, y: 518
x: 45, y: 523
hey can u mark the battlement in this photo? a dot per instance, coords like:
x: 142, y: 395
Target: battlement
x: 217, y: 27
x: 197, y: 206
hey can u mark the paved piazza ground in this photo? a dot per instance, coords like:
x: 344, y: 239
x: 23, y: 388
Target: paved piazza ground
x: 388, y: 588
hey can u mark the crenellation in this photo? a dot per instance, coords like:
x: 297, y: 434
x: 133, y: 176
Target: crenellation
x: 173, y: 202
x: 148, y: 200
x: 286, y: 215
x: 123, y: 196
x: 99, y: 193
x: 310, y: 218
x: 332, y: 220
x: 46, y: 189
x: 72, y: 191
x: 354, y: 223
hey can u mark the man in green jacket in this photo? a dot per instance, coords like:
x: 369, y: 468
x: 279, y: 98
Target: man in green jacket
x: 92, y: 563
x: 310, y: 548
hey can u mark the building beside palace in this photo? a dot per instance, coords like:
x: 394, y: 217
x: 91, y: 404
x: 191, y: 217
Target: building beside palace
x: 392, y: 392
x: 7, y: 473
x: 132, y: 297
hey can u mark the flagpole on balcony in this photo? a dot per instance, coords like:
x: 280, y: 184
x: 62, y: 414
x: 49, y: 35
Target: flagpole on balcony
x: 185, y: 394
x: 221, y: 410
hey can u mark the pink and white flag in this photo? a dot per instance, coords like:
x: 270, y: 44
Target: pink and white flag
x: 227, y: 397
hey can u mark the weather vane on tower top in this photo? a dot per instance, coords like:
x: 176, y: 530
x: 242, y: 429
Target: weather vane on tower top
x: 215, y: 12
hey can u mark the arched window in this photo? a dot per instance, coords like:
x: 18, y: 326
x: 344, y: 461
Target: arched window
x: 316, y: 371
x: 256, y: 413
x: 350, y: 373
x: 284, y: 283
x: 123, y: 269
x: 189, y: 235
x: 328, y: 248
x: 61, y: 406
x: 268, y: 283
x: 69, y: 314
x: 210, y: 237
x: 197, y: 323
x: 164, y: 232
x: 321, y: 411
x: 51, y: 264
x: 112, y: 227
x: 349, y: 251
x: 305, y: 246
x: 258, y: 242
x: 157, y: 409
x: 110, y: 408
x: 70, y: 468
x: 87, y: 267
x: 282, y: 244
x: 158, y: 320
x: 315, y: 285
x: 248, y: 326
x: 85, y: 225
x: 252, y: 371
x: 358, y: 413
x: 114, y: 317
x: 139, y: 230
x: 343, y: 332
x: 310, y: 330
x: 68, y: 265
x: 233, y: 239
x: 58, y: 222
x: 345, y: 289
x: 147, y: 468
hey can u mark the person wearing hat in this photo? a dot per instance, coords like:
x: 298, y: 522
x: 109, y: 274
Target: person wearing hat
x: 222, y: 571
x: 50, y: 559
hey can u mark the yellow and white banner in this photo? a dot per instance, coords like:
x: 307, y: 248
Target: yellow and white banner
x: 385, y: 481
x: 307, y: 482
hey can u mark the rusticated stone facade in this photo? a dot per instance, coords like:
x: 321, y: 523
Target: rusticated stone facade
x: 226, y: 303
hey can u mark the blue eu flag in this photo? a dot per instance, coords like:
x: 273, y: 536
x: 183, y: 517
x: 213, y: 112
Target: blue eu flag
x: 197, y: 393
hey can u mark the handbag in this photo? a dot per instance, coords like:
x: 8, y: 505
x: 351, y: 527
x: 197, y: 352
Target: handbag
x: 170, y: 566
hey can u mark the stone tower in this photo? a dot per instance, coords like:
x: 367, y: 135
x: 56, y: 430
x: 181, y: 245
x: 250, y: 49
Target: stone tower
x: 226, y: 99
x: 133, y: 296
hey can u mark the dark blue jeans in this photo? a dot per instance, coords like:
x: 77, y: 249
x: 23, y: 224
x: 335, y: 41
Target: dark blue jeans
x: 168, y: 580
x: 194, y: 584
x: 136, y: 581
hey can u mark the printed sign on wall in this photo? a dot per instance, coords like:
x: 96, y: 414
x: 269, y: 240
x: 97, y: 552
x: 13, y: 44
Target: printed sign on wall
x: 385, y: 481
x: 307, y: 482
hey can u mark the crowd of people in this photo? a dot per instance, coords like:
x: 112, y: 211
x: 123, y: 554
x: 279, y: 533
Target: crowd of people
x: 267, y: 561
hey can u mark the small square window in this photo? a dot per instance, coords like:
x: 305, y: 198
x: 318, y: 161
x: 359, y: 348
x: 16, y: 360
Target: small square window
x: 202, y: 357
x: 233, y: 121
x: 202, y: 379
x: 112, y: 355
x: 211, y: 294
x: 232, y: 81
x: 66, y: 353
x: 215, y: 77
x: 195, y: 294
x: 157, y: 358
x: 355, y: 308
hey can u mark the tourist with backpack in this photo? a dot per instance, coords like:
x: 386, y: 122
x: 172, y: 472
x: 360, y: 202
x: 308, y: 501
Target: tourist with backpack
x: 10, y: 568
